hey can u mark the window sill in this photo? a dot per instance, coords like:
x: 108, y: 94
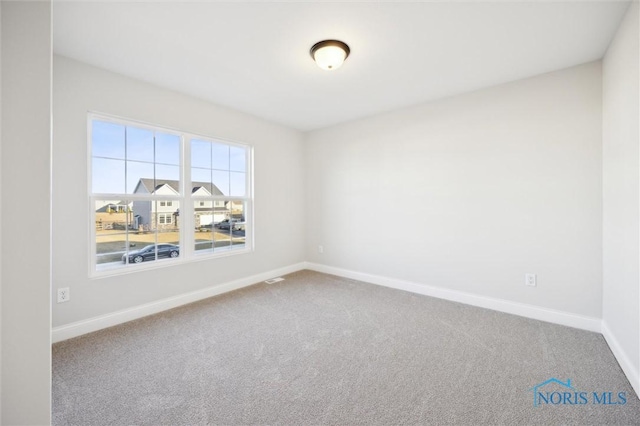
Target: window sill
x: 116, y: 269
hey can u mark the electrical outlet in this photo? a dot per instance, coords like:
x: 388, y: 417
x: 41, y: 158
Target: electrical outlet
x: 530, y: 280
x: 320, y: 249
x: 63, y: 295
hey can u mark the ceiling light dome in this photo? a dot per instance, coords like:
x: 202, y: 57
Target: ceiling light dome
x: 329, y: 54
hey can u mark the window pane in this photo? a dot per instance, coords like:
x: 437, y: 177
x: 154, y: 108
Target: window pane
x: 108, y: 176
x: 107, y: 140
x: 200, y: 154
x: 167, y: 149
x: 238, y: 159
x: 204, y: 217
x: 168, y: 229
x: 108, y: 211
x: 169, y: 175
x: 223, y: 225
x: 229, y: 225
x: 238, y: 184
x: 220, y: 156
x: 221, y: 182
x: 163, y: 214
x: 136, y: 171
x: 139, y: 144
x: 112, y: 222
x: 201, y: 182
x: 110, y: 247
x: 200, y: 176
x: 237, y: 210
x: 239, y: 227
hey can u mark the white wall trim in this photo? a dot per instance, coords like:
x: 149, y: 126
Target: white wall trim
x: 79, y: 328
x: 515, y: 308
x: 625, y: 363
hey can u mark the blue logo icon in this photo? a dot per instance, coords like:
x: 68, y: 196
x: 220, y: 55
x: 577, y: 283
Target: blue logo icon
x: 569, y: 395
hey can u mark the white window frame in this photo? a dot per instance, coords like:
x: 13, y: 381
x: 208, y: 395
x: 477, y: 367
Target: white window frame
x: 184, y: 199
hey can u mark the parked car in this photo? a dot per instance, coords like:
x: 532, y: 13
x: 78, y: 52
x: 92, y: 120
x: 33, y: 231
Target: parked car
x: 149, y: 253
x: 227, y: 224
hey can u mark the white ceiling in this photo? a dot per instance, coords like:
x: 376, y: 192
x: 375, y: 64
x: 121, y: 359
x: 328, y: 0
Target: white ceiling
x: 254, y: 57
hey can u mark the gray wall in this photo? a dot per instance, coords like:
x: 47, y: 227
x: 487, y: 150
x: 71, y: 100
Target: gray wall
x: 471, y: 192
x: 621, y: 195
x: 279, y: 189
x: 25, y: 225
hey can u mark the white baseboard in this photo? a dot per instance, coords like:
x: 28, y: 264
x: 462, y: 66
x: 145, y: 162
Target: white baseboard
x: 515, y: 308
x: 79, y: 328
x: 625, y: 363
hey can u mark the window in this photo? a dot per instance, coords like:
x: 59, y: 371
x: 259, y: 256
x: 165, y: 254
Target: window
x: 150, y: 185
x: 219, y: 191
x: 164, y: 218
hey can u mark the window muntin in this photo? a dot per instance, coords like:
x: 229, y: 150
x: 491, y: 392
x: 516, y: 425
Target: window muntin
x: 220, y: 169
x: 122, y: 155
x: 137, y: 175
x: 219, y: 191
x: 220, y: 225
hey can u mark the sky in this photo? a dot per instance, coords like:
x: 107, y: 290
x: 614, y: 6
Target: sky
x: 122, y: 155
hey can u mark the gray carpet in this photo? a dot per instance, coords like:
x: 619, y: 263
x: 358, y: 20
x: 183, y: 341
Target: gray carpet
x: 319, y: 349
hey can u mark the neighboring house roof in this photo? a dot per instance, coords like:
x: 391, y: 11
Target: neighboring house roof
x: 102, y: 204
x: 106, y: 207
x: 151, y: 186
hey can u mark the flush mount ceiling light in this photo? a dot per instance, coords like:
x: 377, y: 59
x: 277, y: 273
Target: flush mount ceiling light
x: 329, y: 54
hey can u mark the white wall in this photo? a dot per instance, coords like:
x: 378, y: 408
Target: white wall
x: 25, y: 224
x: 470, y: 193
x: 621, y: 196
x: 0, y: 210
x: 279, y: 186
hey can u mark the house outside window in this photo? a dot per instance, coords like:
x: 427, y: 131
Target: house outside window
x: 153, y: 187
x: 164, y: 218
x: 220, y: 195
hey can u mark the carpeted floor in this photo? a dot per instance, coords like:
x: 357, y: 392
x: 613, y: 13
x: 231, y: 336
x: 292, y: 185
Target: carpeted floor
x: 319, y: 349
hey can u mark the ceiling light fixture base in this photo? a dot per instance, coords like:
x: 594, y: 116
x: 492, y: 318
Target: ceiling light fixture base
x: 330, y: 54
